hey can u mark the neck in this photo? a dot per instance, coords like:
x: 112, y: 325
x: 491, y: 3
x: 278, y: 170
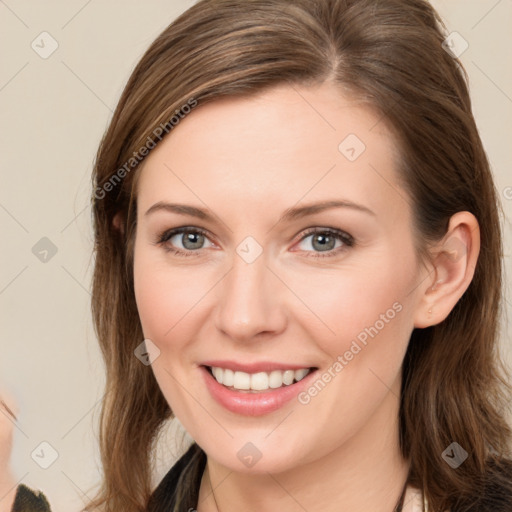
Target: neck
x: 367, y: 472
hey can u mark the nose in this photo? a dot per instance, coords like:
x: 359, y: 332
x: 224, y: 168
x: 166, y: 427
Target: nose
x: 250, y: 302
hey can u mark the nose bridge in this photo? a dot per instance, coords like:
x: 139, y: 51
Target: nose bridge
x: 249, y: 301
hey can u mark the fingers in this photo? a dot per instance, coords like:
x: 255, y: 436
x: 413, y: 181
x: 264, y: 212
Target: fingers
x: 8, y: 410
x: 8, y: 418
x: 8, y: 403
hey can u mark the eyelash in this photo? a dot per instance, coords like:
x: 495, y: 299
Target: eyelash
x: 348, y: 240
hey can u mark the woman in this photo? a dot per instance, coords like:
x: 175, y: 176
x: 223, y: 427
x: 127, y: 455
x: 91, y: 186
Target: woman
x: 313, y: 260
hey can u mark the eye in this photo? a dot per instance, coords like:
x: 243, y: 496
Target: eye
x: 325, y: 240
x: 184, y: 241
x: 188, y: 241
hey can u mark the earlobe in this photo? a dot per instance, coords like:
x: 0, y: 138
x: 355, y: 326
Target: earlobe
x: 117, y: 222
x: 454, y: 262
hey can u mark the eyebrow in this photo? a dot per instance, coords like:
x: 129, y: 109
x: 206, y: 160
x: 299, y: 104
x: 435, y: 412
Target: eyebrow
x: 289, y: 214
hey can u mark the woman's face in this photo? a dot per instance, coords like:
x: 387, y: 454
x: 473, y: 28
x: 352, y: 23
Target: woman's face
x: 266, y: 274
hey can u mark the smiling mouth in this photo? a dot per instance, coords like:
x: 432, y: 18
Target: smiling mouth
x: 257, y: 382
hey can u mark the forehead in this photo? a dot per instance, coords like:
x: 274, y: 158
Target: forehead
x: 288, y: 142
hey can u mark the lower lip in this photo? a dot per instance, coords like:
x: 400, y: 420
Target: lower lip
x: 254, y: 404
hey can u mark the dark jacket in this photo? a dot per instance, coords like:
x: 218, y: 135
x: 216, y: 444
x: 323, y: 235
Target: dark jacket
x: 163, y: 498
x: 496, y: 496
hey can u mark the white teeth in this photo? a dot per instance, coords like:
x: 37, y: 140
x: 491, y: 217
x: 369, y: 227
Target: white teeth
x: 258, y: 381
x: 228, y: 377
x: 242, y: 380
x: 218, y: 374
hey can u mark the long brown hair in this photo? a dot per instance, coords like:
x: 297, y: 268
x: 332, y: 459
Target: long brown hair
x: 389, y: 54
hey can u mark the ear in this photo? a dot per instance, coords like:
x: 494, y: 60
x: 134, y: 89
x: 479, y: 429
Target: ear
x: 117, y: 222
x: 454, y: 261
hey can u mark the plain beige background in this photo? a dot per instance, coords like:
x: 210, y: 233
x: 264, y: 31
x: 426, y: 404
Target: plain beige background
x: 54, y: 111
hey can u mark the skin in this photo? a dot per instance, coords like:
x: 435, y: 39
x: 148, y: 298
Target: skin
x: 8, y: 483
x: 246, y: 161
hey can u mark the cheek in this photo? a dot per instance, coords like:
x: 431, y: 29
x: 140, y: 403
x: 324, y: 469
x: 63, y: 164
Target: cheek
x: 168, y: 299
x: 369, y: 317
x: 364, y: 313
x: 154, y: 295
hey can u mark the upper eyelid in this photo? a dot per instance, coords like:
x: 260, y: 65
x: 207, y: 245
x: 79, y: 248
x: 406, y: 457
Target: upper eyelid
x: 167, y: 234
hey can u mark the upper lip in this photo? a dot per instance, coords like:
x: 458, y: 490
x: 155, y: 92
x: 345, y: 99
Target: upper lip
x: 262, y: 366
